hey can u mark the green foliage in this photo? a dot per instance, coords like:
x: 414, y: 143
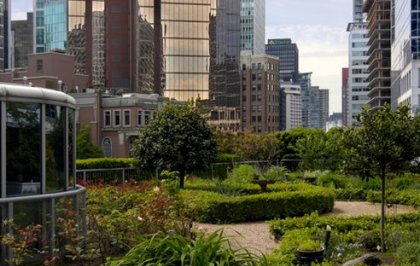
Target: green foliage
x: 321, y: 150
x: 406, y: 197
x: 279, y: 173
x: 178, y: 139
x: 227, y: 157
x: 104, y: 163
x: 240, y: 174
x: 309, y: 245
x: 162, y: 249
x: 387, y: 141
x: 216, y: 208
x: 333, y: 180
x: 408, y: 254
x: 84, y: 146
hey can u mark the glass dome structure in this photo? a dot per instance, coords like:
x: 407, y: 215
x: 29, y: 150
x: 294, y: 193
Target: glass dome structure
x: 37, y: 161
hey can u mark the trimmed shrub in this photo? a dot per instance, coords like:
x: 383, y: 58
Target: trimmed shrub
x: 406, y: 197
x: 350, y: 194
x: 216, y: 208
x: 104, y: 163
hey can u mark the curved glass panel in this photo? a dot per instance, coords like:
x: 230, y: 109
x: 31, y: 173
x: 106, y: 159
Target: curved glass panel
x: 23, y: 148
x: 55, y: 136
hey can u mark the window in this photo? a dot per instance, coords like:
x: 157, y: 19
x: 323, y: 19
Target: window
x: 39, y: 65
x: 127, y: 118
x: 107, y: 147
x: 107, y: 118
x: 139, y: 117
x: 117, y: 118
x: 146, y: 117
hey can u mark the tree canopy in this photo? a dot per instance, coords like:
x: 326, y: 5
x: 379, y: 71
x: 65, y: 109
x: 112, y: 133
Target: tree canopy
x: 84, y: 147
x: 177, y: 139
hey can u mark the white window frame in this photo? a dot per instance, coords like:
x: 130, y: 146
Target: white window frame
x: 140, y: 112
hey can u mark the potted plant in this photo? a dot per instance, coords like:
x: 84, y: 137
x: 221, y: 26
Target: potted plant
x: 310, y: 251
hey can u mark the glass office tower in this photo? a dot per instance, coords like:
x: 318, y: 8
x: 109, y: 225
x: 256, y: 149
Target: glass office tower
x: 188, y: 49
x: 60, y: 24
x: 405, y: 54
x: 253, y: 26
x: 4, y: 33
x: 288, y: 54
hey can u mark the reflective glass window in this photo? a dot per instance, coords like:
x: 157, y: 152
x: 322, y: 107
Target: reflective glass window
x: 55, y: 136
x: 23, y: 148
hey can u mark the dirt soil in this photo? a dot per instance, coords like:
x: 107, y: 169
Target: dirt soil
x: 255, y: 236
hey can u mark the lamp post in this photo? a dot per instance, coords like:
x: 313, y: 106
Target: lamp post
x: 60, y: 85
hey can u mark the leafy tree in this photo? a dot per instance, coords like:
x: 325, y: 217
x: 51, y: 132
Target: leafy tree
x: 386, y: 141
x: 263, y: 147
x: 84, y: 147
x: 321, y: 150
x: 178, y: 139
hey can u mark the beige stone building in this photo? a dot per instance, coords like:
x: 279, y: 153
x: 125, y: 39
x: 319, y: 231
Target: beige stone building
x: 260, y: 93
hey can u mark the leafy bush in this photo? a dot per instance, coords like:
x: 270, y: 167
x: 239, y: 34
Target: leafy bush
x: 406, y: 181
x: 216, y: 208
x: 408, y: 254
x: 168, y: 250
x: 276, y: 173
x: 104, y: 163
x: 350, y: 193
x: 333, y: 180
x: 369, y: 184
x: 240, y: 174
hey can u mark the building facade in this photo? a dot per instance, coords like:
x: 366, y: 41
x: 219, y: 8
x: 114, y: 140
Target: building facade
x: 22, y: 41
x: 405, y: 53
x: 288, y: 54
x: 335, y: 120
x: 344, y: 93
x: 48, y: 70
x: 379, y: 62
x: 115, y: 121
x: 253, y: 26
x: 290, y: 106
x: 357, y: 95
x: 5, y: 15
x: 260, y: 93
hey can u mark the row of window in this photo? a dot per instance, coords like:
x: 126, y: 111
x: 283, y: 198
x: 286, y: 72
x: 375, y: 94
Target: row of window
x: 118, y: 118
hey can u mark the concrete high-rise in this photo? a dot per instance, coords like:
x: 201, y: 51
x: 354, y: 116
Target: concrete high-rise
x: 22, y: 41
x: 5, y: 15
x: 260, y: 93
x: 379, y: 34
x: 305, y: 81
x: 288, y: 54
x: 253, y: 26
x: 344, y: 94
x: 405, y: 53
x: 290, y: 106
x: 357, y: 94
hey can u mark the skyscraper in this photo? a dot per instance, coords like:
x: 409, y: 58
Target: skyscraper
x: 288, y: 54
x: 344, y: 94
x: 253, y: 26
x: 357, y: 94
x: 22, y: 44
x: 60, y: 24
x: 405, y: 53
x: 290, y: 106
x: 305, y: 81
x: 379, y: 32
x: 4, y: 33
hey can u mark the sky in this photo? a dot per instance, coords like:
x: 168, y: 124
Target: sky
x: 317, y: 27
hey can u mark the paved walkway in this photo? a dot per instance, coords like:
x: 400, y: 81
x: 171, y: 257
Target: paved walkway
x: 256, y: 237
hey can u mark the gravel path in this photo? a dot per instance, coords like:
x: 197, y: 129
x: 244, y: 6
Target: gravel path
x: 256, y: 237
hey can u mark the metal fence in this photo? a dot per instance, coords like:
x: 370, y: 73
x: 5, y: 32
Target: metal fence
x: 43, y: 209
x: 110, y: 175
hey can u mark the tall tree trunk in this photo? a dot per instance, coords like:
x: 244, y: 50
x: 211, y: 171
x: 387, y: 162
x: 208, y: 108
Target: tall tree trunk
x: 181, y: 178
x: 383, y: 208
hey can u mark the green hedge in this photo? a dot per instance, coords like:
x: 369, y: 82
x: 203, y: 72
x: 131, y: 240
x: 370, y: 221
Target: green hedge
x: 216, y: 208
x: 406, y: 197
x: 104, y: 163
x: 279, y: 227
x: 229, y: 188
